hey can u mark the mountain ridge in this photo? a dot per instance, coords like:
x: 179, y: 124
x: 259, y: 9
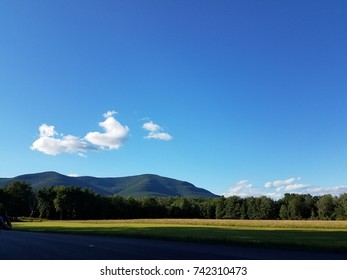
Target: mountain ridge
x: 144, y: 185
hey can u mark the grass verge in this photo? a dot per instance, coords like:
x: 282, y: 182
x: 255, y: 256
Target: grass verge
x: 321, y: 235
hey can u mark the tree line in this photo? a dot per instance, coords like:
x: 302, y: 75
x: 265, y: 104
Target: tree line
x: 68, y: 203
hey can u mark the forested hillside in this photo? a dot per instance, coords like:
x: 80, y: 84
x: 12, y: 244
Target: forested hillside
x: 75, y: 203
x: 135, y: 186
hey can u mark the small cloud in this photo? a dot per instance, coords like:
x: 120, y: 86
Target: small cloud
x: 279, y: 183
x: 109, y: 114
x: 48, y: 144
x: 154, y: 132
x: 243, y: 188
x: 159, y: 136
x: 277, y: 189
x: 334, y: 191
x: 51, y: 143
x: 294, y: 187
x: 73, y: 175
x: 47, y: 130
x: 289, y: 185
x: 150, y: 126
x: 114, y: 136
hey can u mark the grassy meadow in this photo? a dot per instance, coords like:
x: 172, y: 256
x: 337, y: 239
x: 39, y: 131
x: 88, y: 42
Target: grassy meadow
x: 322, y: 235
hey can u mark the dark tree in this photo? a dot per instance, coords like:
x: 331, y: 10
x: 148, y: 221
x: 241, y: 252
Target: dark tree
x: 326, y: 207
x: 341, y: 207
x: 21, y: 200
x: 45, y: 202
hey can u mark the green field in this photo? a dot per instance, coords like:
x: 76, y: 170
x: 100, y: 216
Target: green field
x: 322, y: 235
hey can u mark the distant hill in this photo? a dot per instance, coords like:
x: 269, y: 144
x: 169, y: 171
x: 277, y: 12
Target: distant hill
x: 135, y: 186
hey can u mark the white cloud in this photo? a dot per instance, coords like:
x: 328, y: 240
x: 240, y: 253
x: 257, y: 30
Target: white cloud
x: 109, y: 114
x: 335, y: 191
x: 243, y: 188
x: 73, y: 175
x: 159, y: 136
x: 278, y: 188
x: 46, y: 130
x: 114, y: 136
x: 294, y: 187
x: 280, y: 183
x: 154, y: 132
x: 289, y: 185
x: 50, y: 145
x: 150, y: 126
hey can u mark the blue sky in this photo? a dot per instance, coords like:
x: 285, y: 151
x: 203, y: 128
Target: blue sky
x: 239, y: 97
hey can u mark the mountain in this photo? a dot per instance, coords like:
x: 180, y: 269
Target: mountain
x: 135, y: 186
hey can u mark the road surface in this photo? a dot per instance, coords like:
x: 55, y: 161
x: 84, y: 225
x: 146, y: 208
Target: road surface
x: 17, y: 245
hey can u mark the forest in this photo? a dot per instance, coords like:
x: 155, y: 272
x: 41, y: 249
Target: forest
x: 73, y: 203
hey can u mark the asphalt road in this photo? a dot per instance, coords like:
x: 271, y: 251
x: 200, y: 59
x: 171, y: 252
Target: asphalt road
x: 17, y: 245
